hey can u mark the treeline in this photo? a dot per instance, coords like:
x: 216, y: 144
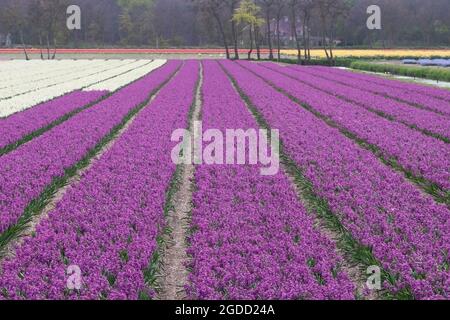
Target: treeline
x: 253, y: 24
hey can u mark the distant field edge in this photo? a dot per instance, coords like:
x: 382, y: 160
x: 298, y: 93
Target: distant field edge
x: 130, y: 51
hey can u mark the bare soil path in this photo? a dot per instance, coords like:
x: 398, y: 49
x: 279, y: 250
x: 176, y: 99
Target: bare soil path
x: 174, y: 273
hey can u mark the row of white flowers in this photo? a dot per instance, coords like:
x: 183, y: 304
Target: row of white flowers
x: 14, y: 74
x: 13, y: 70
x: 36, y: 72
x: 9, y: 65
x: 71, y: 72
x: 107, y: 72
x: 124, y: 79
x: 112, y: 74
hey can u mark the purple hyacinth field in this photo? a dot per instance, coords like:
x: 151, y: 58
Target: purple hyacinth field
x: 221, y: 180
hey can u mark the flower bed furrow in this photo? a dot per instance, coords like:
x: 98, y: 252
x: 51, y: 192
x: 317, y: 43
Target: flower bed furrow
x: 409, y: 87
x: 252, y: 239
x: 23, y: 123
x: 28, y: 170
x: 421, y: 155
x: 425, y: 120
x: 108, y: 223
x: 406, y: 230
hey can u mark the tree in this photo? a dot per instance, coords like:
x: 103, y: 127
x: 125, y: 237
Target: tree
x: 48, y: 17
x: 232, y: 4
x: 188, y: 23
x: 56, y: 21
x: 14, y: 21
x: 135, y: 21
x: 248, y: 14
x: 35, y: 17
x: 279, y: 10
x: 306, y: 8
x: 329, y: 12
x: 214, y: 8
x: 267, y: 6
x: 293, y: 8
x: 258, y: 39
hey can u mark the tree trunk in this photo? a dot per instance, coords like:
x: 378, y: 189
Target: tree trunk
x: 308, y: 38
x: 278, y: 37
x: 40, y: 46
x: 332, y: 42
x: 54, y: 49
x: 330, y: 48
x: 331, y: 52
x: 297, y: 40
x: 305, y: 36
x: 257, y: 43
x: 323, y: 21
x: 305, y: 41
x: 48, y: 47
x: 235, y: 40
x: 269, y: 35
x: 369, y: 36
x: 23, y: 46
x: 292, y: 43
x: 222, y: 33
x: 234, y: 35
x: 324, y: 44
x: 251, y: 43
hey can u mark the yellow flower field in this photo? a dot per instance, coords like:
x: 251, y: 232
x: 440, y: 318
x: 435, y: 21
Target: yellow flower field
x: 348, y: 53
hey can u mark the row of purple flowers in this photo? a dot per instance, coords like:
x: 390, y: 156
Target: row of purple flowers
x: 107, y: 224
x: 406, y: 230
